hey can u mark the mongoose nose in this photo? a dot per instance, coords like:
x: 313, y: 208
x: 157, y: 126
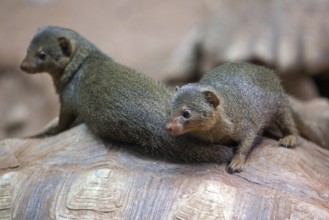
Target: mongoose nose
x: 23, y: 66
x: 168, y: 128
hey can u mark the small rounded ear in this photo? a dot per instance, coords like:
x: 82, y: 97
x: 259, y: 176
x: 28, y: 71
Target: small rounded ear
x: 177, y: 88
x: 211, y: 97
x: 65, y: 45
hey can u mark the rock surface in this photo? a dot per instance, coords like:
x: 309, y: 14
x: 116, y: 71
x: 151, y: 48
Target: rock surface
x: 75, y: 175
x: 312, y: 119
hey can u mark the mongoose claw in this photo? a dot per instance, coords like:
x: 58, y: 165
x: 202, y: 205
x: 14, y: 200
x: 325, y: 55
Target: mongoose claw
x: 288, y: 141
x: 235, y: 166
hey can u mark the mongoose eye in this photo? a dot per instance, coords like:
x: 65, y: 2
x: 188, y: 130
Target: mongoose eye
x: 186, y: 113
x: 42, y: 55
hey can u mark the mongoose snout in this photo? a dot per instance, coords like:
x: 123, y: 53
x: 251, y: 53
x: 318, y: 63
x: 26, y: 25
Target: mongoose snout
x: 26, y: 67
x: 175, y: 128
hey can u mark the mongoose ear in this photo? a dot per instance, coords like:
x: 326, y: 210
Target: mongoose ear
x: 211, y: 97
x: 65, y: 45
x: 177, y: 88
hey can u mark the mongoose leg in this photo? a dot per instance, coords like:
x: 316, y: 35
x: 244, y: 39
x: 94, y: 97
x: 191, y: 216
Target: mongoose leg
x: 47, y: 132
x: 285, y: 122
x: 240, y: 156
x: 66, y: 118
x: 209, y: 153
x: 288, y: 141
x: 65, y: 121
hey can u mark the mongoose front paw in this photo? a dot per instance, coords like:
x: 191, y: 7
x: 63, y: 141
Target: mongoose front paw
x: 46, y: 133
x: 288, y: 141
x: 235, y: 166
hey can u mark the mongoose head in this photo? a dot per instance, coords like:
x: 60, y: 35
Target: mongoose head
x: 49, y: 51
x: 194, y: 108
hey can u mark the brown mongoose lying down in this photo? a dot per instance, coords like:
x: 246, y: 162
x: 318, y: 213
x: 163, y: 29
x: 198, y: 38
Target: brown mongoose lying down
x: 233, y: 103
x: 115, y: 101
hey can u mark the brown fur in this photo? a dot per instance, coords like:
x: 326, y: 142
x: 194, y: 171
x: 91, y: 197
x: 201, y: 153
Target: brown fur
x: 115, y: 101
x: 233, y: 103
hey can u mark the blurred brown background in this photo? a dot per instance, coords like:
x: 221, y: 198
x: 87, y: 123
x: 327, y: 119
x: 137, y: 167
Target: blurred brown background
x: 141, y: 34
x: 194, y: 36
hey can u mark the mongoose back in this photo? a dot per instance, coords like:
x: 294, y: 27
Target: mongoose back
x: 233, y: 103
x: 115, y: 101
